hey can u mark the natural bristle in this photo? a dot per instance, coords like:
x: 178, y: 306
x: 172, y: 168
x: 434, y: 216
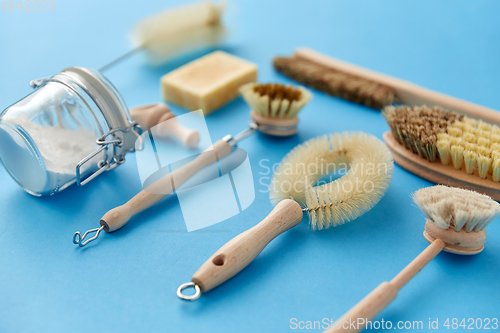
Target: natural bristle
x: 450, y: 207
x: 439, y: 135
x: 179, y: 30
x: 277, y: 91
x: 275, y: 100
x: 370, y: 166
x: 336, y: 83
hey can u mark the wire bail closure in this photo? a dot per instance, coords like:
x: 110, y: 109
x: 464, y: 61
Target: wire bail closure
x: 114, y: 157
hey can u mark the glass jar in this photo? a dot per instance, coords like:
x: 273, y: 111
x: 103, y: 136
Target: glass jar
x: 73, y: 127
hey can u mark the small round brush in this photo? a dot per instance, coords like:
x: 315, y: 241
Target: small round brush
x: 456, y: 219
x: 293, y: 189
x: 275, y: 108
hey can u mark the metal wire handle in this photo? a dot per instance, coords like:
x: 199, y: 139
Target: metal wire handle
x: 78, y: 238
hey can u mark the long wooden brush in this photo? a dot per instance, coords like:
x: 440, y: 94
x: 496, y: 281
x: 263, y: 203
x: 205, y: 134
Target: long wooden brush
x: 275, y: 109
x: 456, y: 219
x: 445, y: 147
x: 293, y: 189
x: 367, y: 87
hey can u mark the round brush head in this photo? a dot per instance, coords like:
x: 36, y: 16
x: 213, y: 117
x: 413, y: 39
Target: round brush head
x: 369, y: 167
x: 275, y: 106
x: 456, y: 216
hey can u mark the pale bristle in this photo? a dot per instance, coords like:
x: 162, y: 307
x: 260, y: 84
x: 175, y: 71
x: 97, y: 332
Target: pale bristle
x: 470, y: 145
x: 275, y: 100
x: 470, y: 161
x: 179, y: 30
x: 483, y: 166
x: 495, y: 138
x: 336, y: 83
x: 457, y: 156
x: 443, y: 146
x: 450, y: 207
x: 483, y: 142
x: 470, y: 121
x: 370, y: 170
x: 496, y: 170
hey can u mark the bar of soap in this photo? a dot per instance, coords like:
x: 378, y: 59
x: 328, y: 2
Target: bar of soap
x: 209, y: 82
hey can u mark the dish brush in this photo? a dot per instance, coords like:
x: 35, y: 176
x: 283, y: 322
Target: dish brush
x: 293, y: 189
x: 363, y: 86
x: 456, y: 219
x: 445, y: 147
x: 275, y: 109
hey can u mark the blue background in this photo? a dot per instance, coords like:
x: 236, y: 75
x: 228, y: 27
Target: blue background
x: 126, y: 281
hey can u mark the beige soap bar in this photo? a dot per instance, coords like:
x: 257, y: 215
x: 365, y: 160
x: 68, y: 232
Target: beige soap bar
x: 209, y: 82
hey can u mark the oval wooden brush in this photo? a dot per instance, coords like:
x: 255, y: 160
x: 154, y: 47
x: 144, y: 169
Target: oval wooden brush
x: 456, y: 219
x: 445, y: 148
x: 367, y: 87
x: 328, y: 205
x: 274, y: 112
x: 160, y: 116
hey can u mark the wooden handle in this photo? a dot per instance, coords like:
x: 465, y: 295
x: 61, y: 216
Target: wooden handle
x: 406, y: 92
x: 366, y: 309
x: 117, y: 217
x: 149, y: 116
x: 370, y: 306
x: 241, y: 250
x: 171, y: 128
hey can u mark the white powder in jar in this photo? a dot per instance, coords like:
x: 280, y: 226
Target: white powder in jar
x: 61, y: 149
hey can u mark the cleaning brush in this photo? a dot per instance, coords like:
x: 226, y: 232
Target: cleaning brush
x: 367, y: 87
x: 275, y: 105
x: 448, y: 148
x: 275, y: 109
x: 456, y: 219
x: 293, y: 189
x: 175, y: 31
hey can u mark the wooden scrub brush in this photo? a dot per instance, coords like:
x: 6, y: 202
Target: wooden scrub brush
x: 275, y: 109
x: 456, y: 219
x: 445, y: 148
x: 363, y: 86
x: 293, y: 189
x: 160, y: 117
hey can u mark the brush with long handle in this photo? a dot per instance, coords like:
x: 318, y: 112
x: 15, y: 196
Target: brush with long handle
x: 176, y: 31
x: 367, y: 87
x: 274, y: 112
x: 328, y: 205
x: 445, y: 148
x: 456, y: 219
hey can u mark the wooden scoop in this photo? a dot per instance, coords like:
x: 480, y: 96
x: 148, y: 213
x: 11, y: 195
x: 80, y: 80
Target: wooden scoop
x: 160, y: 117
